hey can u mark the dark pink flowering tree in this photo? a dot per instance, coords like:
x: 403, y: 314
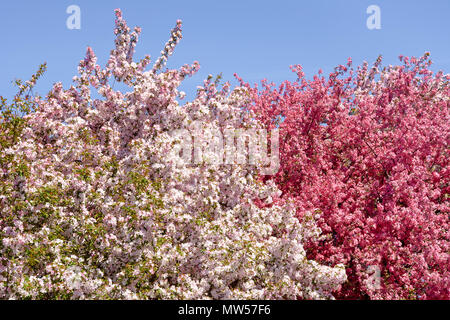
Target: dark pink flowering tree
x: 369, y: 147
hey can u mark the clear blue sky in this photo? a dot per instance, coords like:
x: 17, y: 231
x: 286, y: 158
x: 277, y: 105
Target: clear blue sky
x: 256, y: 39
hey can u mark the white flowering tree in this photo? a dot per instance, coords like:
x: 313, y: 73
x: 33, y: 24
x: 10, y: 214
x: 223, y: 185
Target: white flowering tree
x: 95, y: 204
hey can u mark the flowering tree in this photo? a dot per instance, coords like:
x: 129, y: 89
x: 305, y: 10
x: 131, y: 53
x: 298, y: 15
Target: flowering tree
x: 368, y: 150
x: 11, y: 115
x: 94, y: 203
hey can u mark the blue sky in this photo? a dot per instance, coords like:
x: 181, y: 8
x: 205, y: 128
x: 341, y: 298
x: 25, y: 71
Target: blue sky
x: 256, y: 39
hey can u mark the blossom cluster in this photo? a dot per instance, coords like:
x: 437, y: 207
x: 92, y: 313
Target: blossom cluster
x: 367, y: 149
x: 94, y: 205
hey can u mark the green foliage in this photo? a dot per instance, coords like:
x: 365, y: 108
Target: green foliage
x: 12, y: 114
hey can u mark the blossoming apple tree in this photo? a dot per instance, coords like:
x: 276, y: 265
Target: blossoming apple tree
x: 94, y: 204
x: 367, y: 149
